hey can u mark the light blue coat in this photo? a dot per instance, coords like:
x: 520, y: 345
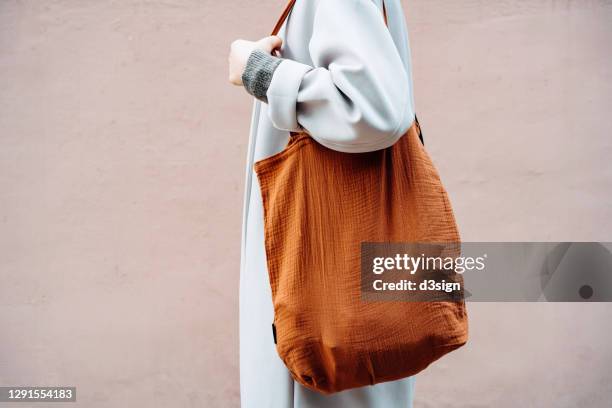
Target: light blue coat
x: 347, y: 81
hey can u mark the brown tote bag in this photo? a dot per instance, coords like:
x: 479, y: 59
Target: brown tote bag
x: 319, y: 206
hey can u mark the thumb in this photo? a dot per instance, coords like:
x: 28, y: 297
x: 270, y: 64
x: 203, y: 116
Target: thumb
x: 270, y: 43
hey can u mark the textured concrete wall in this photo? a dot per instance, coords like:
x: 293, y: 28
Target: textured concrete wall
x: 121, y: 168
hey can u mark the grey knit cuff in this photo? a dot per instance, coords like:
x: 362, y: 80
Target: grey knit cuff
x: 258, y: 73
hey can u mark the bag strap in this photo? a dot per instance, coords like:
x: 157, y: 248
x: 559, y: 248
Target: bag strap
x: 284, y: 16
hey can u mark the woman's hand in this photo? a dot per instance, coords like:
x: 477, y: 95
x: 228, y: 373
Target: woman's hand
x: 240, y: 51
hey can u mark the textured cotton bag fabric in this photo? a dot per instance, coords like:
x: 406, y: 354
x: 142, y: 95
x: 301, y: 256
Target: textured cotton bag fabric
x: 319, y: 205
x: 346, y: 79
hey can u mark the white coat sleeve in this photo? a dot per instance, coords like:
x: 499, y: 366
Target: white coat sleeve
x: 356, y: 96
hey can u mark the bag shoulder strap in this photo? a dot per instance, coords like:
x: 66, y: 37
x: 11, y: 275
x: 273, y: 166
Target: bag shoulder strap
x: 283, y: 17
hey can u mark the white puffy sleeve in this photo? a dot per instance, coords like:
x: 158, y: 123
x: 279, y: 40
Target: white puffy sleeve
x: 356, y: 96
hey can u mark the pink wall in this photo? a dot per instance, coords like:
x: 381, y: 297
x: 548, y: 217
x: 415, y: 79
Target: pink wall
x: 121, y: 177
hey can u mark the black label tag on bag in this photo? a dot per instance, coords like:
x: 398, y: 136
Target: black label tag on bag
x: 274, y: 332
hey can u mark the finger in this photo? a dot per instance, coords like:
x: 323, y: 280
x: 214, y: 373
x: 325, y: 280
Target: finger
x: 271, y: 42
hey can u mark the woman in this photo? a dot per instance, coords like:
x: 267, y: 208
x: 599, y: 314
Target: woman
x: 346, y: 79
